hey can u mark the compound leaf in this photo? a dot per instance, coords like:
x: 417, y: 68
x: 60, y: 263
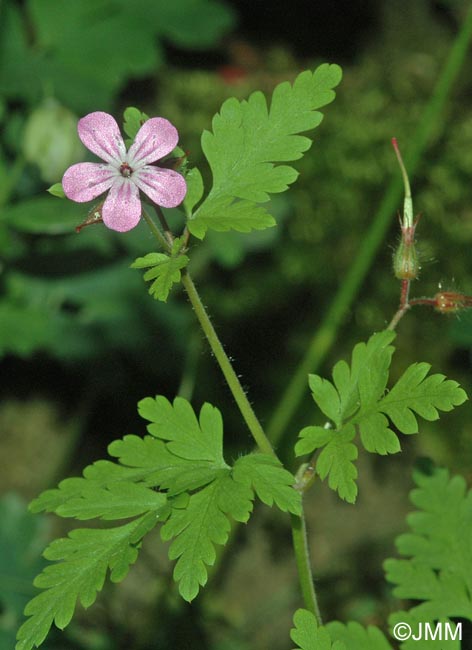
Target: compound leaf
x: 270, y: 481
x: 356, y: 637
x: 197, y: 528
x: 187, y: 437
x: 416, y: 393
x: 248, y: 138
x: 357, y: 403
x: 82, y: 561
x: 165, y: 271
x: 117, y: 501
x: 309, y: 636
x: 336, y: 461
x: 438, y: 568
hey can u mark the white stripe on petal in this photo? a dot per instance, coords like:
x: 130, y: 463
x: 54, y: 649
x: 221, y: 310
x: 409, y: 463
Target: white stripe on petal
x: 155, y: 139
x: 165, y: 187
x: 122, y: 208
x: 100, y: 133
x: 85, y: 181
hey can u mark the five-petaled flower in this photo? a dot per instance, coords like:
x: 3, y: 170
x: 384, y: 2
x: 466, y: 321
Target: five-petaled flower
x: 124, y: 173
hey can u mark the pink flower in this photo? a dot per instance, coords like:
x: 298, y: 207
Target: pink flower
x: 124, y: 173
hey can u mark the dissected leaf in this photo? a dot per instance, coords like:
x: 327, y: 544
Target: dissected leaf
x: 309, y: 636
x: 248, y: 138
x: 438, y: 568
x: 357, y: 402
x: 416, y: 393
x: 356, y: 637
x: 336, y: 462
x: 82, y: 561
x: 165, y: 271
x: 196, y: 529
x: 270, y: 481
x: 188, y: 437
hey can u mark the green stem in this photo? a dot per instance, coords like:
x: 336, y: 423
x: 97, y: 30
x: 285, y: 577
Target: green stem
x: 302, y: 555
x: 300, y: 541
x: 227, y: 369
x: 334, y: 317
x: 155, y: 230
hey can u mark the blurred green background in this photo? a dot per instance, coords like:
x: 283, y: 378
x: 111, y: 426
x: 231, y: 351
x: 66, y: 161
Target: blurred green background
x: 81, y: 341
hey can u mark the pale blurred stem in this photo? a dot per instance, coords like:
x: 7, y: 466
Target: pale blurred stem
x: 327, y: 332
x: 11, y: 181
x: 302, y: 555
x: 155, y: 230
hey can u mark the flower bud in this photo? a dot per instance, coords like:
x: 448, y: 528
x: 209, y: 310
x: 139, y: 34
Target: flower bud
x: 50, y: 140
x: 405, y: 259
x: 449, y: 302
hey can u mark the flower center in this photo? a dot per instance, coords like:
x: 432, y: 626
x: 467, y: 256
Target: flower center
x: 125, y: 170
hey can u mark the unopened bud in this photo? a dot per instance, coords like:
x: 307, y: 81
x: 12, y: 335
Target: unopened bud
x: 405, y: 259
x: 50, y: 140
x: 450, y: 302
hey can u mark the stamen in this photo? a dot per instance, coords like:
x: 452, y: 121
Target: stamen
x: 125, y: 170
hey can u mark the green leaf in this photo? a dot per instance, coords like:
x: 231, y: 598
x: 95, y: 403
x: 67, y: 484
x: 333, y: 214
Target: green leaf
x: 438, y: 548
x: 195, y: 188
x: 183, y: 456
x: 200, y: 526
x: 224, y: 213
x: 356, y: 637
x: 166, y: 470
x: 376, y: 437
x: 82, y: 561
x: 22, y: 537
x: 312, y: 438
x: 427, y: 635
x: 164, y: 270
x: 416, y: 393
x: 117, y: 501
x: 309, y: 636
x: 188, y: 437
x: 270, y: 481
x: 43, y: 215
x: 327, y: 397
x: 357, y: 402
x: 133, y: 121
x: 336, y: 461
x: 248, y: 138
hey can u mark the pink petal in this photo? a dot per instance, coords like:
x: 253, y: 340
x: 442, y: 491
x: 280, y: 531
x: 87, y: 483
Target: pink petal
x: 122, y: 208
x: 155, y: 139
x: 85, y: 181
x: 165, y: 187
x: 100, y: 133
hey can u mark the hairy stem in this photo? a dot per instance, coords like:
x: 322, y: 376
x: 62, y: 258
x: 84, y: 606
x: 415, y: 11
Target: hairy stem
x: 302, y: 555
x: 232, y: 380
x: 404, y: 305
x: 155, y: 230
x: 300, y: 542
x: 326, y: 333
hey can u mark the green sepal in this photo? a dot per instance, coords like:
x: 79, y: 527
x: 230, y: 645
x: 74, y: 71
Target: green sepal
x: 57, y: 190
